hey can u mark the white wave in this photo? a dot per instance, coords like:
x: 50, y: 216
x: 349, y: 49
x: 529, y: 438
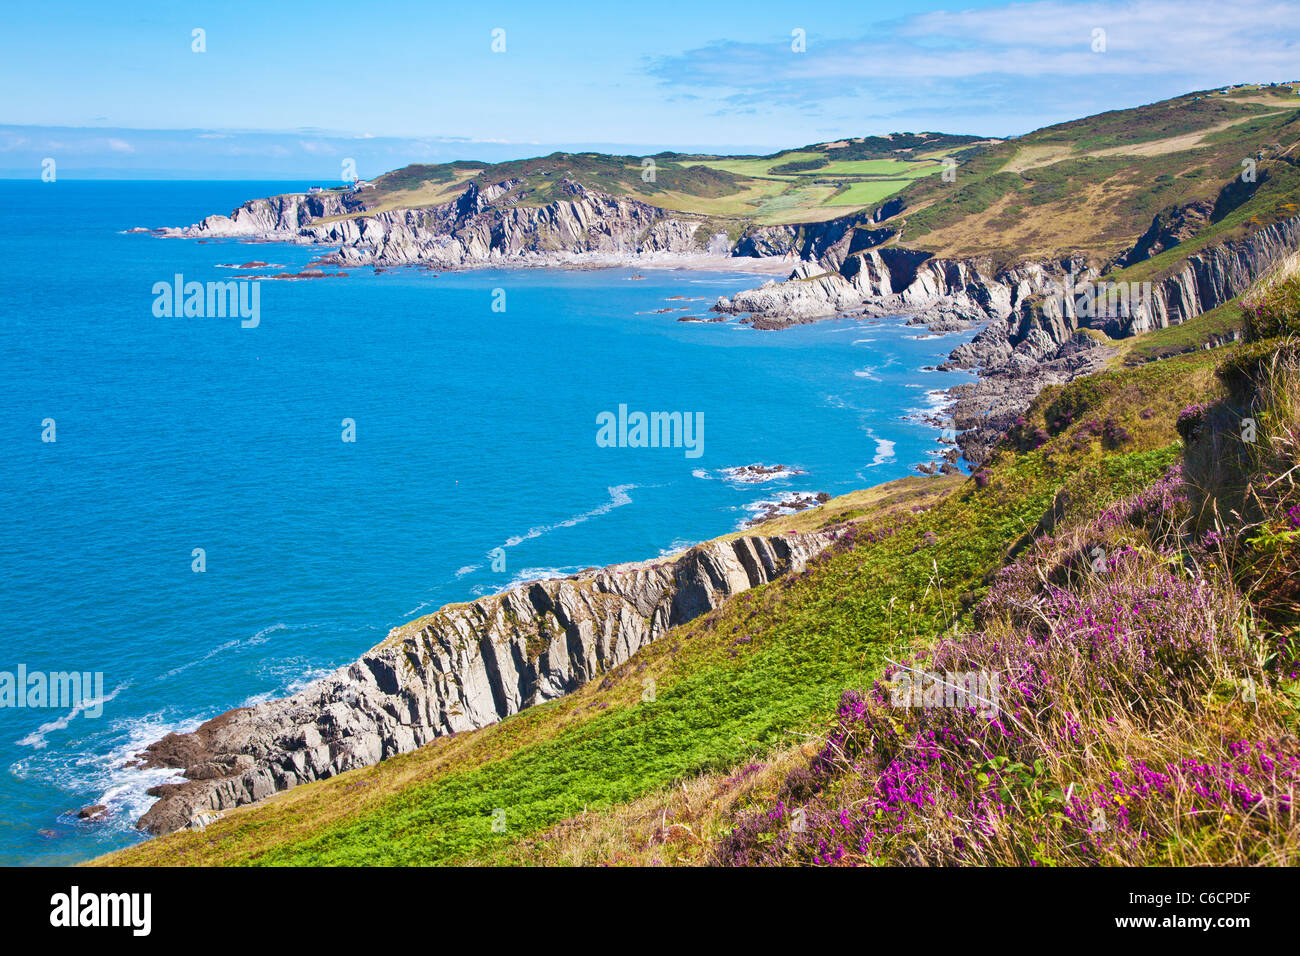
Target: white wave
x: 742, y: 475
x: 123, y: 789
x: 525, y: 576
x: 936, y: 401
x: 310, y: 677
x: 101, y: 769
x: 36, y: 739
x: 302, y: 677
x: 884, y: 452
x: 259, y: 638
x: 618, y: 496
x: 677, y: 547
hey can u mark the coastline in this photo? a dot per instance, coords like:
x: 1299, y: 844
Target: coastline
x: 246, y: 754
x: 215, y: 763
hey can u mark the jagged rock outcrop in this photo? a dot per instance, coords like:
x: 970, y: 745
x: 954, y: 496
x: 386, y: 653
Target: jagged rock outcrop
x: 1044, y: 339
x: 1054, y: 299
x: 827, y: 243
x: 1044, y: 318
x: 1168, y: 229
x: 278, y: 217
x: 467, y: 666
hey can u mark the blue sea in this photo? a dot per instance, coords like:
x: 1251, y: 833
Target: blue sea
x: 475, y: 430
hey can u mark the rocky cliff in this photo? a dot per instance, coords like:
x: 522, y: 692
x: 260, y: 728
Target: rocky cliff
x: 1035, y: 316
x: 484, y: 225
x: 467, y: 666
x: 1203, y: 281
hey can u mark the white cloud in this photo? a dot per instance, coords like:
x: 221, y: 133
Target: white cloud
x: 1018, y: 52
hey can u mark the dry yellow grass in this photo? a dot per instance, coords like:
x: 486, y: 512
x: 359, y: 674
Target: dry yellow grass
x: 878, y: 503
x: 430, y: 194
x: 1047, y: 231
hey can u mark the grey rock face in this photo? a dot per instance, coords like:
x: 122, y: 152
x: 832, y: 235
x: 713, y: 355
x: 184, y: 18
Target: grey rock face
x: 279, y: 217
x: 1017, y: 302
x: 1041, y: 341
x: 464, y: 667
x: 888, y: 281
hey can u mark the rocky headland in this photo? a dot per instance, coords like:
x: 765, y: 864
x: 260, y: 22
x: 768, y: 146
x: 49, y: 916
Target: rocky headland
x: 482, y: 227
x: 464, y: 667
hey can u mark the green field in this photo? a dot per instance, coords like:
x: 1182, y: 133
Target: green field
x: 891, y: 168
x: 867, y: 193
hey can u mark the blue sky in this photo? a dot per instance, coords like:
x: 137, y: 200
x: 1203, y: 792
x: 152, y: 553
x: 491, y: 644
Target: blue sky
x: 288, y: 90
